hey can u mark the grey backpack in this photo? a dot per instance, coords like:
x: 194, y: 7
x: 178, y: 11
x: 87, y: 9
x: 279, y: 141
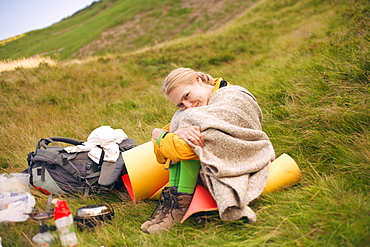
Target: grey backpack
x: 53, y: 170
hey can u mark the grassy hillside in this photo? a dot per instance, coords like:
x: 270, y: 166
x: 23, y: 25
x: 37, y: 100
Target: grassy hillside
x: 307, y: 63
x: 111, y: 26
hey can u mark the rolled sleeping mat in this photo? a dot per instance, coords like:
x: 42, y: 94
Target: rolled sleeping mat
x: 283, y: 172
x: 145, y: 177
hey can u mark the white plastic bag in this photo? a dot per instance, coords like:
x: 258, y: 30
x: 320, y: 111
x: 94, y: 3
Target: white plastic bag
x: 15, y: 197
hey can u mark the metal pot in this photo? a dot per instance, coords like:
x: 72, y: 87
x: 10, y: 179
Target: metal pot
x: 87, y: 217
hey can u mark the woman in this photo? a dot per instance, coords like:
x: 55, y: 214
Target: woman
x: 217, y: 133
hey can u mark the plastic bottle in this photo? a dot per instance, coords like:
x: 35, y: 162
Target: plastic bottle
x: 64, y: 222
x: 44, y: 239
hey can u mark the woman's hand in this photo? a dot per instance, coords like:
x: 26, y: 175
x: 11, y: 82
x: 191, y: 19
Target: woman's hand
x: 156, y: 132
x: 191, y: 135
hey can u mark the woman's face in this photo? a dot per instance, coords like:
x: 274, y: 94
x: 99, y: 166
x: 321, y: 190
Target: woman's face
x: 192, y: 95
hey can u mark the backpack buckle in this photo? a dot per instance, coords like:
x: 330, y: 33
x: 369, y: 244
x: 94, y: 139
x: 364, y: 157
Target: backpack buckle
x: 88, y: 169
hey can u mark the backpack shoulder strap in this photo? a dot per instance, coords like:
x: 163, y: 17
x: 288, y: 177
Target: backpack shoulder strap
x: 46, y: 141
x: 66, y: 140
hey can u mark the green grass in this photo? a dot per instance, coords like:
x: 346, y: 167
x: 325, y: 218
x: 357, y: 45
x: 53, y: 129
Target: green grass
x: 307, y: 62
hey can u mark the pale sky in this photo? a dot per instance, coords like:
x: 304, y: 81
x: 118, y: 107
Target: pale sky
x: 21, y: 16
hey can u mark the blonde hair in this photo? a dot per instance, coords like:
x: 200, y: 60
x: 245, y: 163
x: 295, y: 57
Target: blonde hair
x: 184, y: 76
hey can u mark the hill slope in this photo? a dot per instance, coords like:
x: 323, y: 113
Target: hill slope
x: 118, y: 26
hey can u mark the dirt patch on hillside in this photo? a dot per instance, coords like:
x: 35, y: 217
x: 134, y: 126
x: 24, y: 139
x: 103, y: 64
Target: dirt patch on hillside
x: 204, y: 16
x: 25, y: 63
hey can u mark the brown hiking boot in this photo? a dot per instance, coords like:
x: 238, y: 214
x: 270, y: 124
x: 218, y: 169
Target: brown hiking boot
x: 179, y: 205
x: 161, y: 209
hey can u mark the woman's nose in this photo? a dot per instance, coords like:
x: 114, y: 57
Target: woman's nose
x: 187, y: 104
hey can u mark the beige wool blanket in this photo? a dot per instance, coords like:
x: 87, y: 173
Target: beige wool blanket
x: 236, y: 154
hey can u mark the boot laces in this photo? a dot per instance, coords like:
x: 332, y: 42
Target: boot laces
x: 162, y: 207
x: 173, y: 205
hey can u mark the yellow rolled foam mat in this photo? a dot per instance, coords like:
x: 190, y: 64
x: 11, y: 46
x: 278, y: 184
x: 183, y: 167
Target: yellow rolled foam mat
x: 283, y: 172
x: 145, y: 177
